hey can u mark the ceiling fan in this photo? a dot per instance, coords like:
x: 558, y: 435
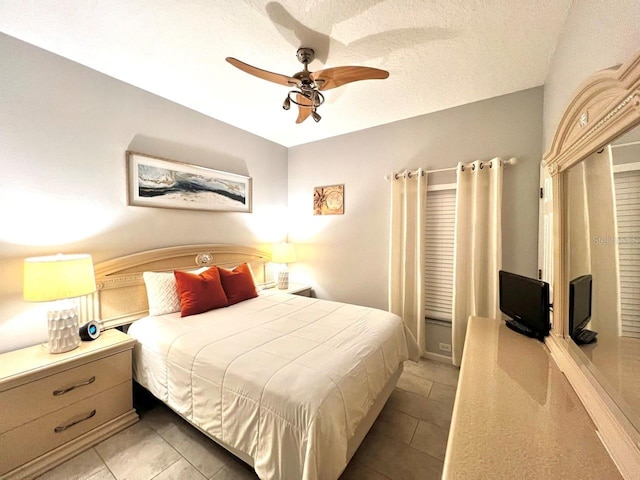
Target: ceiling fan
x: 308, y: 86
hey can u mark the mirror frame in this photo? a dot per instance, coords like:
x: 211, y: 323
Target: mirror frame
x: 605, y: 106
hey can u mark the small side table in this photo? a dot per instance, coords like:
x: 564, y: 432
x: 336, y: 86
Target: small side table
x: 57, y: 405
x: 296, y: 289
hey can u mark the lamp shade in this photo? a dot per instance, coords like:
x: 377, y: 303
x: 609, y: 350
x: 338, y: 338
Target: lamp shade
x: 57, y: 277
x: 283, y: 253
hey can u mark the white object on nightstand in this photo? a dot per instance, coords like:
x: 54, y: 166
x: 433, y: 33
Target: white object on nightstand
x: 55, y: 406
x: 283, y: 253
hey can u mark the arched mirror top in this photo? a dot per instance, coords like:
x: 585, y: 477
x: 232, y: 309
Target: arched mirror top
x: 606, y: 105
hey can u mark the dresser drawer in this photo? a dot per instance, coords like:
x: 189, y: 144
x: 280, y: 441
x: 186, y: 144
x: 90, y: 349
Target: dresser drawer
x: 24, y: 443
x: 27, y: 402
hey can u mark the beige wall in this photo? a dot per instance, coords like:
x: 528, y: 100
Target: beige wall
x: 64, y: 130
x: 345, y: 257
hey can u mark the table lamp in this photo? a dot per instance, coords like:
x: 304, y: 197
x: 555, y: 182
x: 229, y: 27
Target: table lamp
x: 283, y: 253
x: 56, y: 279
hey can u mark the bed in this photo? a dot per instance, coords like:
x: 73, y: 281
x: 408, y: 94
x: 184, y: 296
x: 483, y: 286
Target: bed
x: 289, y: 384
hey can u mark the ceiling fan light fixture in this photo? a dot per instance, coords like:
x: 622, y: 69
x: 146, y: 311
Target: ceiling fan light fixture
x: 308, y: 95
x: 314, y: 99
x: 307, y: 86
x: 318, y: 98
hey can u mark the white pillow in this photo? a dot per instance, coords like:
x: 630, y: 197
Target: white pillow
x: 162, y: 292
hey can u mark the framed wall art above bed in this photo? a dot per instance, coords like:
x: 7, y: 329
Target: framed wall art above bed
x: 160, y: 182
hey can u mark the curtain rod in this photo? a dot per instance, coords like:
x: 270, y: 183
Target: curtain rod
x: 511, y: 161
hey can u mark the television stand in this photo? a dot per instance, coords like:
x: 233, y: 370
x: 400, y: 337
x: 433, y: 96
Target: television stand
x: 518, y: 327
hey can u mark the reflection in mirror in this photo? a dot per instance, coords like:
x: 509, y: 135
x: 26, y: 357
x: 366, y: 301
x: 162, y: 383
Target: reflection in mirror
x: 603, y: 240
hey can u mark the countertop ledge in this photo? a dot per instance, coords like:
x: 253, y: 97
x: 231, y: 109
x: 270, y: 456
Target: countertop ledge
x: 517, y: 416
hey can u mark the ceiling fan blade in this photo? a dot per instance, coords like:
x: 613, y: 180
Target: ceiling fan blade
x: 258, y: 72
x: 338, y: 76
x: 303, y: 112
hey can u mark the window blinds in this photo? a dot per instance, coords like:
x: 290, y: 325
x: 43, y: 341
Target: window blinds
x: 627, y: 186
x: 439, y: 232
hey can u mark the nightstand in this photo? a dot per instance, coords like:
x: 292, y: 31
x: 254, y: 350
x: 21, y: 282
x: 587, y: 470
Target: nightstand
x: 296, y: 289
x: 56, y: 405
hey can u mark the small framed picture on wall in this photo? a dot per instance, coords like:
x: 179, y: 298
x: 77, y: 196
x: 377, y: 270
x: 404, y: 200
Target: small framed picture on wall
x: 328, y: 200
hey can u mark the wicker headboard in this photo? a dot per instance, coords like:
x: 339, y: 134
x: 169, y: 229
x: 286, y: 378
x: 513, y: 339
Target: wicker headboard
x: 121, y: 297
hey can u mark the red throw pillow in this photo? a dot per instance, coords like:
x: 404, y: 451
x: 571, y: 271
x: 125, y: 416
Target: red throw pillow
x: 238, y: 283
x: 200, y: 292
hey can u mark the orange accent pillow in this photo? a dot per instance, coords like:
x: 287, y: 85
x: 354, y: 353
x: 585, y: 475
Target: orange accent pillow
x: 200, y: 292
x: 238, y: 283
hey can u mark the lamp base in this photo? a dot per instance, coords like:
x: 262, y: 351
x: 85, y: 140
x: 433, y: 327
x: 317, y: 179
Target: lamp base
x: 283, y: 280
x: 63, y: 328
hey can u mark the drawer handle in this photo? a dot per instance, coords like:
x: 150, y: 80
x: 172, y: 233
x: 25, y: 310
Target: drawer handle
x: 68, y: 389
x: 62, y: 428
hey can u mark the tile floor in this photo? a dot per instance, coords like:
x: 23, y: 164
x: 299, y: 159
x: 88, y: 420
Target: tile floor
x: 407, y: 441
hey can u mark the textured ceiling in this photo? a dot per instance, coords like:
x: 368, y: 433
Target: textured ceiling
x: 440, y: 53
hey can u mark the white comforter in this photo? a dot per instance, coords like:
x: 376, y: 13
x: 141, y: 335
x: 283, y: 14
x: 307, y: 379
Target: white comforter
x: 285, y: 379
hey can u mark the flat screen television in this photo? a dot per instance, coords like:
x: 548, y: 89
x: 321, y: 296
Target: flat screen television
x: 526, y: 302
x: 579, y: 304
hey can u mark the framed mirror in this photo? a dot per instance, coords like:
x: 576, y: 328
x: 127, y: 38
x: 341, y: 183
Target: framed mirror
x: 594, y: 162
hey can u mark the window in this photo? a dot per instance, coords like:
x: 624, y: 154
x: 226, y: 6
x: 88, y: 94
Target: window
x: 439, y: 234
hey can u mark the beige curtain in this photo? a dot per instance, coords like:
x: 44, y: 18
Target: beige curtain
x: 478, y: 247
x: 406, y: 251
x: 600, y: 197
